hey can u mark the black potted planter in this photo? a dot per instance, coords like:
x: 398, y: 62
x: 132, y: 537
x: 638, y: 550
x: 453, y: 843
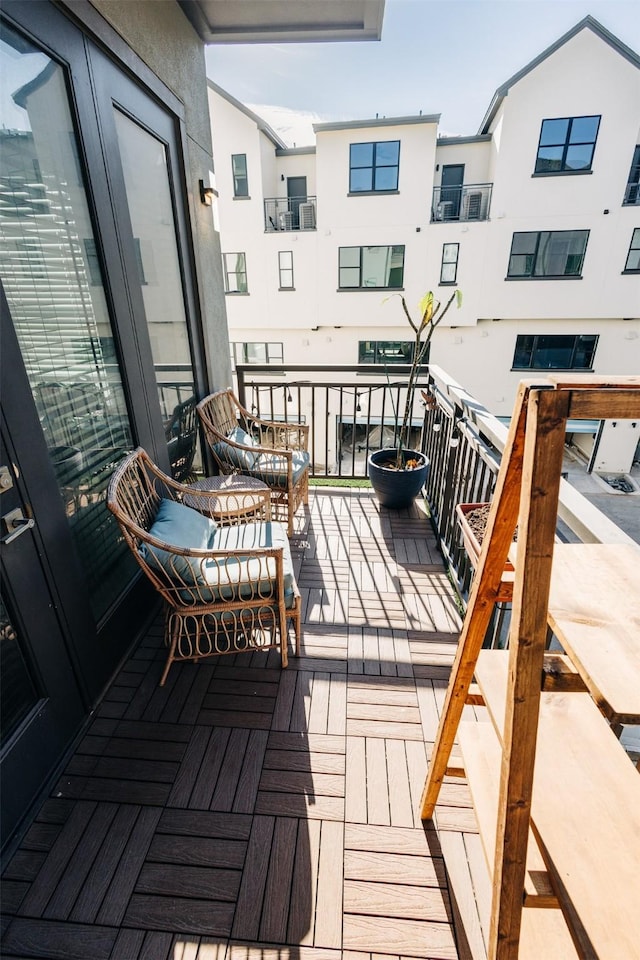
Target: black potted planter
x: 396, y: 489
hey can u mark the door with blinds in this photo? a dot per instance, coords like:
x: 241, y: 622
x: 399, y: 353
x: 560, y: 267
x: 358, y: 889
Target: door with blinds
x: 98, y: 309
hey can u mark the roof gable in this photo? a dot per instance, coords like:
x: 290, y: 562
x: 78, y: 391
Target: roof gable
x: 589, y: 23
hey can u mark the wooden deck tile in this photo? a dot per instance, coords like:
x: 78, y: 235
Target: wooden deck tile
x: 243, y: 811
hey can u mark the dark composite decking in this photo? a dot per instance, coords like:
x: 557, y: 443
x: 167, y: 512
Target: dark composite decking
x: 243, y: 811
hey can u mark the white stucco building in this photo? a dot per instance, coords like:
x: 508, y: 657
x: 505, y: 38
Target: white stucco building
x: 536, y: 218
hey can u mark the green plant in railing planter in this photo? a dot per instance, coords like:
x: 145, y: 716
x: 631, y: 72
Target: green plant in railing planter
x: 398, y: 474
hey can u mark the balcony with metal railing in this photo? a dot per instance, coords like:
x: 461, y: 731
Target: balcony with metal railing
x: 289, y: 213
x: 470, y: 201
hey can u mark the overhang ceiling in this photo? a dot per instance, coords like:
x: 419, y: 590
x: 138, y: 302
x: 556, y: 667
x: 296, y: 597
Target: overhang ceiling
x: 284, y: 21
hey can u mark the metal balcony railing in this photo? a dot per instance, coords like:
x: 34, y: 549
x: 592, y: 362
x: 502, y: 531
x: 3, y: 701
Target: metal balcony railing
x: 468, y: 202
x: 353, y: 410
x: 289, y: 213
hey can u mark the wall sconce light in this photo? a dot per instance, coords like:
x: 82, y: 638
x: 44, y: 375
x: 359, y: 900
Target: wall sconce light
x: 206, y: 194
x: 282, y: 177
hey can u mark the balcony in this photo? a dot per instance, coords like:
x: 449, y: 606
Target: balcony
x: 469, y: 202
x: 243, y: 811
x: 289, y: 213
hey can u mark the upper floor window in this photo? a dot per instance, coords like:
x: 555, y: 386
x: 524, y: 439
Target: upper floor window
x: 285, y: 269
x: 385, y: 351
x: 235, y: 273
x: 549, y: 253
x: 374, y: 166
x: 449, y: 266
x: 633, y: 257
x: 240, y: 179
x: 364, y: 267
x: 567, y: 145
x: 554, y: 352
x: 632, y: 193
x: 256, y: 353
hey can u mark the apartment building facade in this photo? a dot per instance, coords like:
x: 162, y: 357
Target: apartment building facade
x: 536, y: 218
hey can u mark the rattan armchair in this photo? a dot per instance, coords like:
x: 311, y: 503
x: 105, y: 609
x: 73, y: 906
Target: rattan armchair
x: 228, y: 587
x: 273, y: 452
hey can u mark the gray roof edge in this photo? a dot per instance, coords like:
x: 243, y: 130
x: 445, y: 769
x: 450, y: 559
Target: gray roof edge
x: 259, y: 122
x: 587, y: 22
x: 294, y: 151
x: 378, y: 122
x: 473, y: 138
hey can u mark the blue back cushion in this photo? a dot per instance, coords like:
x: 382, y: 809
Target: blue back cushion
x: 179, y: 526
x: 244, y: 459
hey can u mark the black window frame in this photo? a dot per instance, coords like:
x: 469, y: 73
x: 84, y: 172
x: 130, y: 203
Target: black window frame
x: 445, y: 263
x: 236, y: 273
x: 566, y: 144
x: 240, y: 178
x: 632, y: 191
x: 362, y: 285
x: 535, y: 253
x: 634, y: 247
x: 374, y: 351
x: 284, y: 270
x: 374, y: 166
x: 535, y: 346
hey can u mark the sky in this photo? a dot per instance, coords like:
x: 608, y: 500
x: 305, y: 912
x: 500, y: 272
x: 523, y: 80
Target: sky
x: 435, y: 56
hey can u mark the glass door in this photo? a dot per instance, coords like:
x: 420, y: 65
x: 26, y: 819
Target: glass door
x: 41, y: 703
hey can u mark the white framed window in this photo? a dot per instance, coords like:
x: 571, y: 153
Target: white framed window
x: 235, y: 273
x: 285, y: 269
x: 449, y: 265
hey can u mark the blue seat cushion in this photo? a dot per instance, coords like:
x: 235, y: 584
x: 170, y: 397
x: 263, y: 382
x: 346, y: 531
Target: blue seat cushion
x: 272, y: 467
x: 179, y: 526
x: 243, y: 459
x: 248, y: 577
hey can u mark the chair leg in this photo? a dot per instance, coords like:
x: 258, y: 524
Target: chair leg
x: 172, y: 630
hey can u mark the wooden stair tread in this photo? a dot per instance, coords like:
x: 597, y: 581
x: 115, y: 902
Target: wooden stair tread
x: 481, y: 752
x: 594, y: 611
x: 585, y: 812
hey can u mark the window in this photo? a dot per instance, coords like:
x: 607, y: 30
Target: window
x: 256, y: 353
x: 374, y: 166
x: 375, y: 267
x: 385, y: 351
x: 551, y: 253
x: 554, y: 352
x: 633, y: 257
x: 235, y: 273
x: 449, y: 266
x: 285, y: 268
x: 567, y: 145
x: 632, y: 193
x: 240, y: 179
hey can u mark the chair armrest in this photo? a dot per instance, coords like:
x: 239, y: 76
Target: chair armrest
x: 283, y: 436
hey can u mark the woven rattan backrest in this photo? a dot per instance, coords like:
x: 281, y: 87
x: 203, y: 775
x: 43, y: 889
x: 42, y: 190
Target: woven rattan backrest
x: 134, y: 494
x: 220, y: 413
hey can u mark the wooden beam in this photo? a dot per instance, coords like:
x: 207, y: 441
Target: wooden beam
x: 485, y: 589
x: 618, y: 404
x: 542, y: 465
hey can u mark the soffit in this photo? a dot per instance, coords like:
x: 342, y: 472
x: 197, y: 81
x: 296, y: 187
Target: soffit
x: 284, y: 21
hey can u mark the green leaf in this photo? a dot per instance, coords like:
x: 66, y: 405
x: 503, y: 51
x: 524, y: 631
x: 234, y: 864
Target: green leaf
x: 458, y: 298
x: 425, y: 303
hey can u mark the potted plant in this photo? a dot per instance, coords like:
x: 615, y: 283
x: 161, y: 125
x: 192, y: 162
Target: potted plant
x: 397, y: 474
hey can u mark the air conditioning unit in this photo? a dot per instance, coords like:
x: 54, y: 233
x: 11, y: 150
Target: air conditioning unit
x: 286, y: 220
x: 307, y: 213
x: 474, y: 205
x: 444, y: 210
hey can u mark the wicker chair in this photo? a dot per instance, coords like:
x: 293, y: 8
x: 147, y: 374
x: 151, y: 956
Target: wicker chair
x: 275, y: 453
x: 228, y: 587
